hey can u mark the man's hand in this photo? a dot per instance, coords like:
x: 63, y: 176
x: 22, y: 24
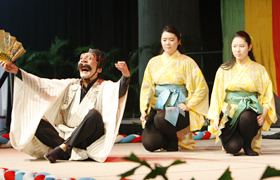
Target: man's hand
x: 121, y: 66
x: 11, y: 67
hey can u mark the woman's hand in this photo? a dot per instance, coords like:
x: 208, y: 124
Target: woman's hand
x: 121, y: 66
x: 11, y: 67
x: 183, y: 107
x: 143, y: 117
x: 261, y: 118
x: 216, y: 124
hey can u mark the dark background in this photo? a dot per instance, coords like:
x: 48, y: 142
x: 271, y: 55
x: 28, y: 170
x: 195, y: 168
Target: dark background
x: 108, y: 25
x: 105, y: 24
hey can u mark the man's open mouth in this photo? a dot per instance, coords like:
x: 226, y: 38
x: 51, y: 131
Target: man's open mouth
x: 84, y: 67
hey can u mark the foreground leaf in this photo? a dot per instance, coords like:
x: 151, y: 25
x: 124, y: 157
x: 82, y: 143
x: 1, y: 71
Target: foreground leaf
x: 270, y: 172
x: 134, y: 158
x: 128, y: 173
x: 161, y: 171
x: 158, y: 171
x: 226, y: 175
x: 177, y: 162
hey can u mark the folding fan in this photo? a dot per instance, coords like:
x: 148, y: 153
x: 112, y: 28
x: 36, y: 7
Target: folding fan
x: 10, y: 48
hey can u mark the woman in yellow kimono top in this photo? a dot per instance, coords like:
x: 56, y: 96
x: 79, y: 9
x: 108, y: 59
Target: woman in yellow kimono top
x: 242, y: 100
x: 174, y: 97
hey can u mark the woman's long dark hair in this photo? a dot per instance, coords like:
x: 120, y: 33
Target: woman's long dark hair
x: 229, y: 64
x: 174, y: 30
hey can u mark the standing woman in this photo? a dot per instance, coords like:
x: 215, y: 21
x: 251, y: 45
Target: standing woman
x: 174, y: 97
x: 242, y: 100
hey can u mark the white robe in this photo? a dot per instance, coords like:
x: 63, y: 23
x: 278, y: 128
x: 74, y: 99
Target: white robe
x: 36, y: 98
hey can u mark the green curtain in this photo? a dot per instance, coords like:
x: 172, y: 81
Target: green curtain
x: 233, y: 19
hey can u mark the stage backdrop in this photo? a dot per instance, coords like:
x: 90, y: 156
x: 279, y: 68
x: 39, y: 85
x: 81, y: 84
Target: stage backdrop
x: 261, y: 20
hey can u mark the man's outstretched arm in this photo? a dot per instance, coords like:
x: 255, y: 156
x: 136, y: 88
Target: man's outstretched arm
x: 125, y: 79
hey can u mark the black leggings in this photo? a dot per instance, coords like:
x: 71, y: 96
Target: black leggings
x: 240, y: 136
x: 160, y: 133
x: 90, y: 129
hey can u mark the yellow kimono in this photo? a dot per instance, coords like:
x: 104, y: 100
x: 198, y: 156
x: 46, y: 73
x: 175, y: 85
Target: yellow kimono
x: 251, y: 77
x: 178, y: 69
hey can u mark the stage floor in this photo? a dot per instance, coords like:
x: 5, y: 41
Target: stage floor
x: 207, y: 161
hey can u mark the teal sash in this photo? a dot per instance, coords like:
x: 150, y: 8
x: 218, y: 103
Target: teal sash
x: 244, y: 100
x: 169, y: 96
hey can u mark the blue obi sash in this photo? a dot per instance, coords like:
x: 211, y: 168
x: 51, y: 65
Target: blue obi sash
x: 169, y: 96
